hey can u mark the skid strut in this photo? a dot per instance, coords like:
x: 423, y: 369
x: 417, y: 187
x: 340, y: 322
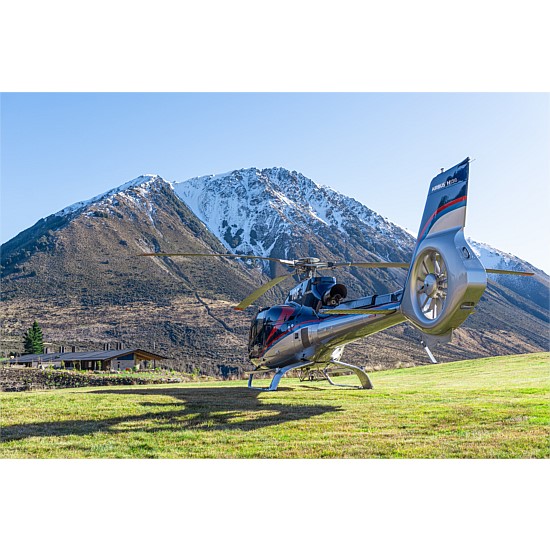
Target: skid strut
x: 366, y: 384
x: 334, y: 366
x: 279, y: 373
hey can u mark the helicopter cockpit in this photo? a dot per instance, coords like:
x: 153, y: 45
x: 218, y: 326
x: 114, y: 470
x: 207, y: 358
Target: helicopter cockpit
x: 268, y: 324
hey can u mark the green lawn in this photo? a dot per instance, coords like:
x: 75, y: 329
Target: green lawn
x: 488, y: 408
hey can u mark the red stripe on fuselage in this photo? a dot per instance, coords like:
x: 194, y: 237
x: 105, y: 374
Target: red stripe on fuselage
x: 287, y: 333
x: 279, y: 322
x: 440, y: 209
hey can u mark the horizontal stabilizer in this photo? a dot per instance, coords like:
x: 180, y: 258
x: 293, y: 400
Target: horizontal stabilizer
x: 509, y: 272
x: 358, y: 311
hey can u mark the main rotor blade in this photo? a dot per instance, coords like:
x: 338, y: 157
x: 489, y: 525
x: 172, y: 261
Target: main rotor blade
x: 261, y: 291
x: 406, y: 265
x: 509, y: 272
x: 357, y: 311
x: 382, y: 265
x: 190, y: 255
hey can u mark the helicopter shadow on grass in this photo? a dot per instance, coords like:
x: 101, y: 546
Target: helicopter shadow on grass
x: 202, y: 409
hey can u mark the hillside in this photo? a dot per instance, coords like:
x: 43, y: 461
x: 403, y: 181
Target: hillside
x: 79, y: 274
x: 488, y: 408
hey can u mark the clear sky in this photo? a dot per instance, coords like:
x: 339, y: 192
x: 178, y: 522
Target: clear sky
x: 380, y: 148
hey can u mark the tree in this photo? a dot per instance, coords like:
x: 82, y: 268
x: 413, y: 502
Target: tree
x: 33, y: 340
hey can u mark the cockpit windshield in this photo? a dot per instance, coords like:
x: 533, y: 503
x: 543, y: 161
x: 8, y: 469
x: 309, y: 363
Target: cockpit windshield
x: 267, y: 326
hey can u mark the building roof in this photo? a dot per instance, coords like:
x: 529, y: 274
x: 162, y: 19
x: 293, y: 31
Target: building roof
x: 104, y: 355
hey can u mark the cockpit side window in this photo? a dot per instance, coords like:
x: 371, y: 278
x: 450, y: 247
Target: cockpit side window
x: 267, y: 327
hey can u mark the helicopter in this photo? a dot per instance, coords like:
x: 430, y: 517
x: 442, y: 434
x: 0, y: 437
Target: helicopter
x: 309, y: 331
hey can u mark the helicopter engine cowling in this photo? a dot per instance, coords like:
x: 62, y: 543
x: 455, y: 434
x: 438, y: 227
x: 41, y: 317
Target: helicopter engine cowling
x: 444, y: 284
x: 334, y: 295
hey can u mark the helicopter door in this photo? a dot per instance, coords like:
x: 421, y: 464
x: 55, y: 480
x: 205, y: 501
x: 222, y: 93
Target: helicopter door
x: 301, y: 340
x: 304, y: 336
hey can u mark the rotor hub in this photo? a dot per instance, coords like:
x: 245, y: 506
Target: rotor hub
x: 430, y: 285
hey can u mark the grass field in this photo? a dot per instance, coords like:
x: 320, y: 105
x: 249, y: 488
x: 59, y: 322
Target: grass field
x: 488, y: 408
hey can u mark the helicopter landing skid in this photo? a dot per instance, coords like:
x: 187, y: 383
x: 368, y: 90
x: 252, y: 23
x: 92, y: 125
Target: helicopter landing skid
x: 366, y: 384
x: 279, y: 373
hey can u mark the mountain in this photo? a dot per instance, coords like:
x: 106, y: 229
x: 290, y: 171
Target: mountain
x: 79, y: 274
x: 278, y: 213
x: 534, y: 288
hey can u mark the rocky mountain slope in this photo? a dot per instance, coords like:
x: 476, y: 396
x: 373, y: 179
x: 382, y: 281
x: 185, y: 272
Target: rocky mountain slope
x: 79, y: 274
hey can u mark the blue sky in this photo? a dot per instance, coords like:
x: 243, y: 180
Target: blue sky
x: 380, y: 148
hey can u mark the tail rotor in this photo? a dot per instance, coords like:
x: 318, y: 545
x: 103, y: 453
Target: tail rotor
x: 431, y: 282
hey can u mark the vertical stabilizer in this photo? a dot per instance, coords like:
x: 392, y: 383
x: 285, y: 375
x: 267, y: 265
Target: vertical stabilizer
x: 446, y: 203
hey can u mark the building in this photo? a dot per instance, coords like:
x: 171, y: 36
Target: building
x: 106, y: 360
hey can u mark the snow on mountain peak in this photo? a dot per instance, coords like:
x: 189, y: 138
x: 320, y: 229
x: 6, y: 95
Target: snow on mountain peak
x: 492, y: 258
x: 142, y: 185
x: 250, y: 210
